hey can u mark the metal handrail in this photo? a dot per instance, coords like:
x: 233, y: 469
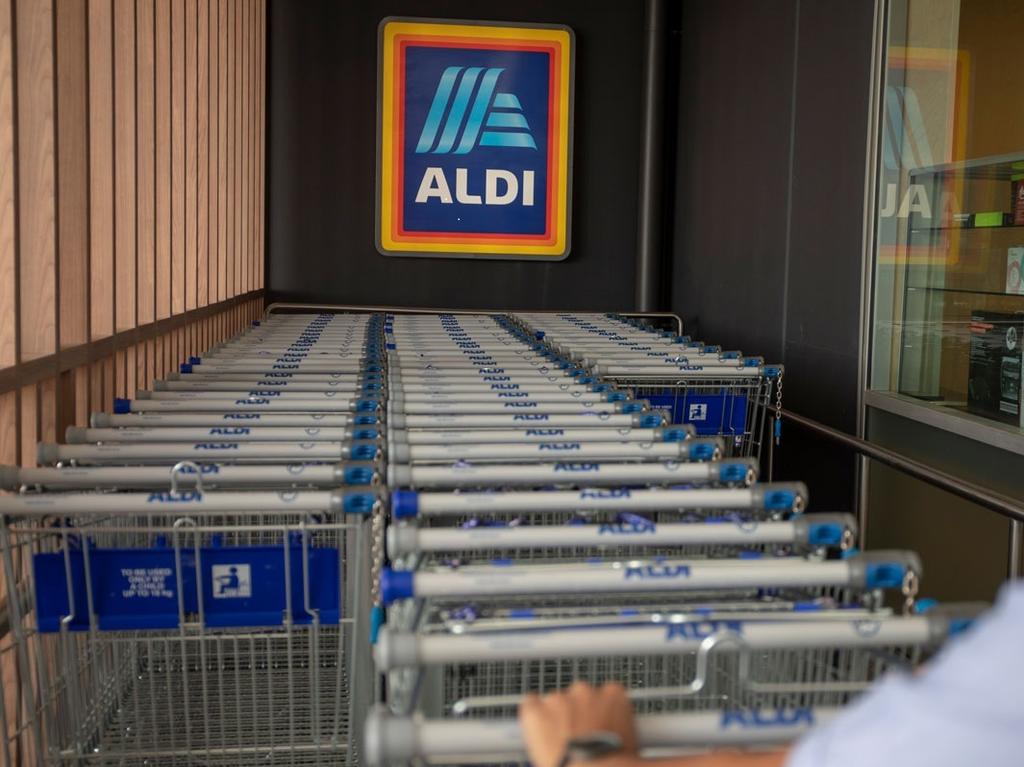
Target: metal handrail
x: 292, y: 306
x: 1001, y: 504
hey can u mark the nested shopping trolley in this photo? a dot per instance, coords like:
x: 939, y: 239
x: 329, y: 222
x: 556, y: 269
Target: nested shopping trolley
x: 712, y: 646
x: 605, y: 541
x: 782, y: 639
x: 212, y: 637
x: 717, y: 392
x: 707, y: 676
x: 192, y: 586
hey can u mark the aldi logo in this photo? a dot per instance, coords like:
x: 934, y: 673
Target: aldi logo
x: 474, y: 140
x: 504, y: 112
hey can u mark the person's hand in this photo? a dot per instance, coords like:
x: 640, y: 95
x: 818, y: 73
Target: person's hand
x: 549, y: 723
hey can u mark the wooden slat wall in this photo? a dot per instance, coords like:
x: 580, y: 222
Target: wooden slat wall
x: 35, y: 170
x: 72, y: 173
x: 117, y: 122
x: 131, y: 198
x: 8, y: 306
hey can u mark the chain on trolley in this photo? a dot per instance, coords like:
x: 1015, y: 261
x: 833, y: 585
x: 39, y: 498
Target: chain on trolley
x: 778, y: 410
x: 911, y: 584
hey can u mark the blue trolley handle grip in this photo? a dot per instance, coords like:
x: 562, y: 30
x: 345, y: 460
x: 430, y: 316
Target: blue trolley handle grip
x: 781, y: 496
x: 948, y: 620
x: 884, y: 569
x: 830, y: 530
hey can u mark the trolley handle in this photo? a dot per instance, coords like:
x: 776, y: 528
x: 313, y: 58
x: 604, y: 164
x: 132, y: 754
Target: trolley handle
x: 821, y: 531
x: 391, y: 739
x: 874, y: 571
x: 697, y: 635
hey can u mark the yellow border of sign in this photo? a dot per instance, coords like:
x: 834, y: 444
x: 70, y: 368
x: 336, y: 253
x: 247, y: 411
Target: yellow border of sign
x: 388, y: 246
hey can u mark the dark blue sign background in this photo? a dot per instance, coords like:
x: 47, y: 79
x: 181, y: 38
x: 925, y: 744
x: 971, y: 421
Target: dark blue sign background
x: 525, y: 76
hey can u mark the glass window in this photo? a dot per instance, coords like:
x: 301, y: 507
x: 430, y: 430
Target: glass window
x: 948, y: 286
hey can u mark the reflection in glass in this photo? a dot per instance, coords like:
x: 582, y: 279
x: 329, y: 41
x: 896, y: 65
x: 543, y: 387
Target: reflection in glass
x: 948, y: 287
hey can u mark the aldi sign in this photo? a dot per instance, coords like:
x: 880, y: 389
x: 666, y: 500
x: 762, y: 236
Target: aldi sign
x: 474, y: 140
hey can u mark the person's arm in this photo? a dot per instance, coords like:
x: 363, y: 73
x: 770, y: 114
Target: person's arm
x: 549, y: 723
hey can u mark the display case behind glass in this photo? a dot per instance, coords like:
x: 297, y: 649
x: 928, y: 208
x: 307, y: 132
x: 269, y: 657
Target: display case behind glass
x: 948, y: 289
x: 963, y: 307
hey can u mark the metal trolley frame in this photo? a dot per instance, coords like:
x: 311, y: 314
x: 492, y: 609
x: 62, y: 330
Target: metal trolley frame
x: 202, y: 576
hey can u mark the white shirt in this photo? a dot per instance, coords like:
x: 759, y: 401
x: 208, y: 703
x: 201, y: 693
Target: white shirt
x: 966, y: 709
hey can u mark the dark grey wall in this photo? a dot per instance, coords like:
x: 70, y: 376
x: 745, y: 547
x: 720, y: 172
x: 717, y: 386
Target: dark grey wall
x: 773, y: 103
x: 322, y: 144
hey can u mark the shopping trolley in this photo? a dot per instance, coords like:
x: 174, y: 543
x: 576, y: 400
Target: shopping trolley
x: 572, y: 526
x: 651, y: 625
x: 773, y: 663
x: 697, y: 679
x: 520, y: 564
x: 716, y: 392
x: 735, y: 403
x: 220, y: 617
x: 206, y: 628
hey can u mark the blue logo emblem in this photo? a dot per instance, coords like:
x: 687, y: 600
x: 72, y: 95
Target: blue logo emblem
x: 505, y: 112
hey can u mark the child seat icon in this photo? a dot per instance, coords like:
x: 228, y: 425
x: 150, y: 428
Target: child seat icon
x: 231, y: 581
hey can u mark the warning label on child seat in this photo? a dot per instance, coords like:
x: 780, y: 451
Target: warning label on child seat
x: 146, y: 582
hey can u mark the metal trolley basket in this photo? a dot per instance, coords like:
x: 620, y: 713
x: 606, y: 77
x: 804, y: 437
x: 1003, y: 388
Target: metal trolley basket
x: 717, y: 393
x: 473, y: 648
x: 206, y: 624
x: 208, y: 638
x: 711, y: 655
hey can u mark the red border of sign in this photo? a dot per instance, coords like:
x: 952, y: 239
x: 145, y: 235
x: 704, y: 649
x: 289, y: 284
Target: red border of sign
x: 398, y: 232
